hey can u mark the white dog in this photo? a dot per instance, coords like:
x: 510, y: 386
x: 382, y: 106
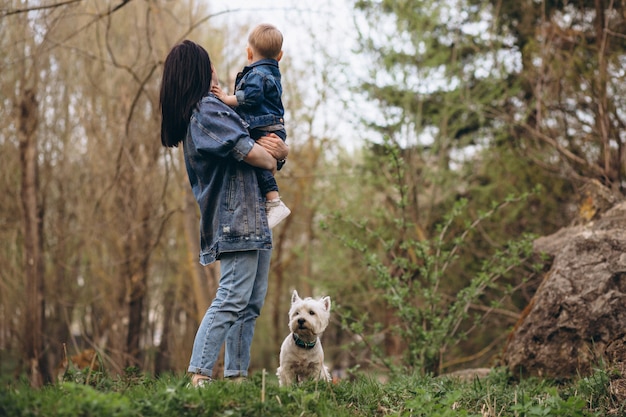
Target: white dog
x: 301, y: 354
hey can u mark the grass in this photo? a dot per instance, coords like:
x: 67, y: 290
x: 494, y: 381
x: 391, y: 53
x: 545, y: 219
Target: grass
x: 137, y: 395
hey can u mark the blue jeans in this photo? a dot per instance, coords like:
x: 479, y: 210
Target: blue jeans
x: 231, y: 318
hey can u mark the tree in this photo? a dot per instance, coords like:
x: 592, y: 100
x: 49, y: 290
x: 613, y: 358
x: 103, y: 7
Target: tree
x: 119, y: 237
x: 453, y: 86
x: 94, y: 212
x: 27, y: 109
x: 571, y: 89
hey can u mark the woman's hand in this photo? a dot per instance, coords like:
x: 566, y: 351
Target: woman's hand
x: 275, y: 146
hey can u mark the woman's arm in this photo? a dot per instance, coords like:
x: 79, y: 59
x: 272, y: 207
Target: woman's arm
x: 275, y: 146
x: 260, y: 158
x: 217, y: 130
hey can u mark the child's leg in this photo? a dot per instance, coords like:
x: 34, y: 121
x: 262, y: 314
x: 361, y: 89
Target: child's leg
x: 267, y: 182
x: 276, y: 210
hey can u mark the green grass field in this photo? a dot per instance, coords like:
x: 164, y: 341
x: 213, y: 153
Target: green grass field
x: 138, y: 395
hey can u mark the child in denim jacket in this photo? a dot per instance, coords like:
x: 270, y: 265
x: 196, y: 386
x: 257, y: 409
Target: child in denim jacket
x: 257, y: 99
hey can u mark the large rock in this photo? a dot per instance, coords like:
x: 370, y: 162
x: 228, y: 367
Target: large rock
x: 580, y: 307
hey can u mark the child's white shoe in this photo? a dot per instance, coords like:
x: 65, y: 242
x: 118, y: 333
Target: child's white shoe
x: 277, y: 211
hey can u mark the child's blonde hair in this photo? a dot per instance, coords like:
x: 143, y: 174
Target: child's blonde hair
x: 266, y: 40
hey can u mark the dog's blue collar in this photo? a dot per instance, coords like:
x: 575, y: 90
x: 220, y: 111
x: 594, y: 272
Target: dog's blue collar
x: 301, y: 343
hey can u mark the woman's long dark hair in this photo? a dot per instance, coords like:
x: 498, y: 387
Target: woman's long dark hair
x: 186, y: 79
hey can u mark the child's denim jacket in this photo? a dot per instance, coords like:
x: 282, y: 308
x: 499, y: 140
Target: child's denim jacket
x: 258, y: 90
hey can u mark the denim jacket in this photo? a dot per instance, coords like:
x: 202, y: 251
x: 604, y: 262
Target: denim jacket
x: 258, y: 90
x: 232, y: 208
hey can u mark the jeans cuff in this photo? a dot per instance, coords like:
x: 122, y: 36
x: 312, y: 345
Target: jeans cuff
x: 231, y: 374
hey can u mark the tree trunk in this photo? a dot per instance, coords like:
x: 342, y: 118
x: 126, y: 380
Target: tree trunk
x: 602, y: 117
x: 33, y: 247
x: 204, y: 279
x: 162, y: 362
x: 138, y: 287
x: 579, y: 309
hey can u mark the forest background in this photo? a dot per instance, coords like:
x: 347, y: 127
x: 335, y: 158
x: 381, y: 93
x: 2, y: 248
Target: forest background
x: 474, y: 125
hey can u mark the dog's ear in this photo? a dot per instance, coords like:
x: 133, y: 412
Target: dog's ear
x: 326, y: 301
x: 294, y: 296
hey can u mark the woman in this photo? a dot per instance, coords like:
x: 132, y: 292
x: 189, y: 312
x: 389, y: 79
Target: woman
x: 220, y: 158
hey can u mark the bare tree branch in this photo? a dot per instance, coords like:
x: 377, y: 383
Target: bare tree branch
x: 119, y: 6
x: 10, y: 12
x: 570, y: 156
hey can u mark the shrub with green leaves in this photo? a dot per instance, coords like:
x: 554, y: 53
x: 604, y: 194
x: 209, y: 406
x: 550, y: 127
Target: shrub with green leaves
x: 416, y: 274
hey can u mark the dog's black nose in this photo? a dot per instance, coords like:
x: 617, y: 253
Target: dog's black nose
x: 301, y: 321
